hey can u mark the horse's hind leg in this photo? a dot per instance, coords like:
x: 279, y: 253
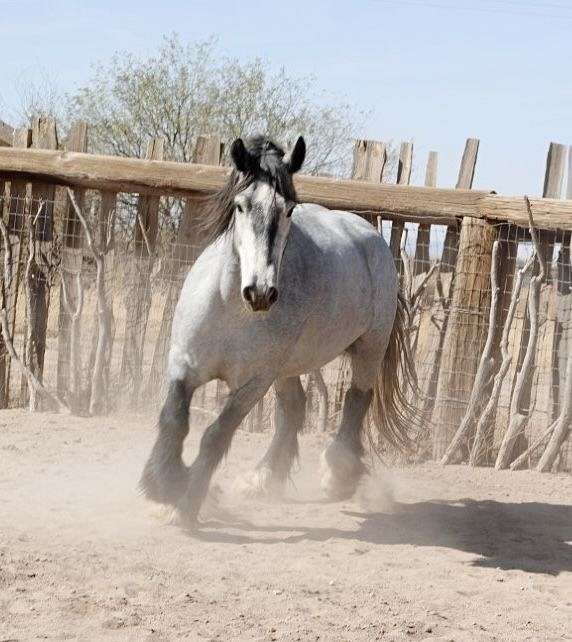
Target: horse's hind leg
x: 164, y: 477
x: 273, y: 470
x: 215, y: 443
x: 342, y: 460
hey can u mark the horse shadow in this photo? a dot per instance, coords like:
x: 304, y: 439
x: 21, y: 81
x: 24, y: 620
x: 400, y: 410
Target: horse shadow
x: 531, y: 536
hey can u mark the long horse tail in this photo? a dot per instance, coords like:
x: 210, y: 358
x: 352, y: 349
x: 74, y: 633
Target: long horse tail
x: 395, y: 418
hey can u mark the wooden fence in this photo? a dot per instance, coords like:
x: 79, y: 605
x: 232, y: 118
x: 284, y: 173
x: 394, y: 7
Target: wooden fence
x: 90, y: 284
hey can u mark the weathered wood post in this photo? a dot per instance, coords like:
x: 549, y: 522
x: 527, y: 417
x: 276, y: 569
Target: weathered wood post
x: 138, y: 286
x: 71, y: 266
x: 466, y: 329
x: 404, y: 165
x: 44, y: 136
x: 17, y: 205
x: 465, y: 332
x: 464, y: 181
x: 6, y: 134
x: 422, y: 258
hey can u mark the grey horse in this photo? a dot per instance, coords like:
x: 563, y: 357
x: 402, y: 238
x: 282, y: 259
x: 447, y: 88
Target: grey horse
x: 282, y: 289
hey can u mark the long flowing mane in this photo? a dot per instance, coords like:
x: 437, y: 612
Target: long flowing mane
x: 266, y: 165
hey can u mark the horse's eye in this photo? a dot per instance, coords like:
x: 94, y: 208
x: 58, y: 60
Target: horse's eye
x: 239, y: 208
x: 290, y: 209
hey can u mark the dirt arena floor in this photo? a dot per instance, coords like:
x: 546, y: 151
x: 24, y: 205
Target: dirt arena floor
x: 424, y: 553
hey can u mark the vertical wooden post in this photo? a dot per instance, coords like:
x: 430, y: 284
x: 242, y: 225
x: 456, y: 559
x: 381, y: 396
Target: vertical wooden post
x: 422, y: 258
x: 138, y: 287
x: 465, y: 335
x: 469, y: 254
x: 44, y: 136
x: 404, y: 166
x: 188, y: 245
x: 71, y: 266
x: 6, y: 134
x: 17, y: 205
x: 562, y: 350
x: 369, y: 160
x: 464, y: 181
x: 190, y: 239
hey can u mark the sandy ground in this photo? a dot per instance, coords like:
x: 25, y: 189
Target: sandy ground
x: 459, y: 554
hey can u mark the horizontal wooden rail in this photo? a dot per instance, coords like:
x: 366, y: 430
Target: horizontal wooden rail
x: 427, y: 204
x: 549, y: 213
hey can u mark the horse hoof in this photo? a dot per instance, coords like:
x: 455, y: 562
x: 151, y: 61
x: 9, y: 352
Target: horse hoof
x: 341, y: 470
x: 163, y: 487
x: 259, y: 483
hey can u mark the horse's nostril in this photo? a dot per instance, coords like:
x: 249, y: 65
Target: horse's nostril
x: 249, y: 294
x: 272, y: 295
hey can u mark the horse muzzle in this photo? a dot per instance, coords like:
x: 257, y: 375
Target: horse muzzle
x: 259, y: 299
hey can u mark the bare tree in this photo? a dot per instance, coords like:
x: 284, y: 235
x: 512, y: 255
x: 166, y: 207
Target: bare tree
x: 98, y: 383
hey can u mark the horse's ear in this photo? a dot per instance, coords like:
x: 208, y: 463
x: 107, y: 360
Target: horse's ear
x: 240, y: 156
x: 295, y: 157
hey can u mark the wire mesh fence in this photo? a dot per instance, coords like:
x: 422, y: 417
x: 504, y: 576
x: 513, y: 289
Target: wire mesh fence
x: 105, y: 286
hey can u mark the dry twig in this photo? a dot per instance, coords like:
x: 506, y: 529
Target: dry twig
x: 562, y: 426
x: 506, y: 360
x: 519, y: 415
x: 75, y: 351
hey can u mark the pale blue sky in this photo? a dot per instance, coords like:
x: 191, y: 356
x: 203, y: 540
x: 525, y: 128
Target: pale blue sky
x: 433, y: 72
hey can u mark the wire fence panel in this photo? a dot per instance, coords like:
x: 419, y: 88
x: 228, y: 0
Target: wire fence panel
x: 115, y: 296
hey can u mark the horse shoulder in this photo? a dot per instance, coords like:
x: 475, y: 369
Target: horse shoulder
x: 199, y: 310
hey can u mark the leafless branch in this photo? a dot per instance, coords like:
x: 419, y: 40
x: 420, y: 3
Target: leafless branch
x: 519, y: 461
x: 7, y: 254
x: 144, y: 234
x: 535, y: 242
x: 322, y: 390
x: 519, y: 415
x: 33, y: 381
x: 86, y: 228
x: 423, y: 284
x: 506, y: 359
x: 103, y: 313
x: 75, y: 351
x: 562, y: 425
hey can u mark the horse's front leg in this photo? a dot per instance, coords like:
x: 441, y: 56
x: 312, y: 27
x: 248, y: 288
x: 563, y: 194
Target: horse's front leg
x: 215, y: 442
x: 273, y: 470
x: 164, y: 477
